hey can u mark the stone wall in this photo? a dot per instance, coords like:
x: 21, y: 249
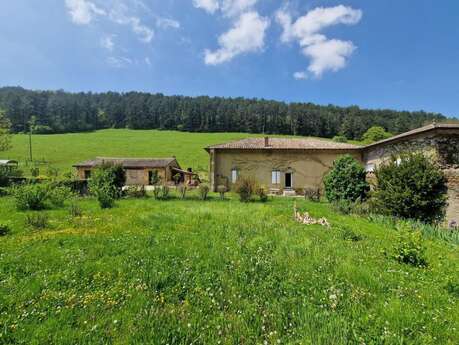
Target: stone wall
x: 452, y: 213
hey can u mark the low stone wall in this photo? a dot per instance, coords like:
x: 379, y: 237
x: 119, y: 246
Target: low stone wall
x: 452, y: 213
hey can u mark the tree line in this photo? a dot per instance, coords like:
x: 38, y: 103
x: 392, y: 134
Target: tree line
x: 61, y: 112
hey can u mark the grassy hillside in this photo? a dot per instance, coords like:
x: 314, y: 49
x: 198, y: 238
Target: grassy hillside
x: 218, y: 272
x: 63, y: 150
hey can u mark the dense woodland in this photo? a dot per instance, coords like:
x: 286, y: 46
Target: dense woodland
x: 60, y: 111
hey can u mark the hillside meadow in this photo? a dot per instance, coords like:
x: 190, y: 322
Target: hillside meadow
x: 218, y: 272
x: 63, y: 150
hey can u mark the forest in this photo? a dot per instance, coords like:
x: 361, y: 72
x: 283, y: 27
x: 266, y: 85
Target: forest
x: 62, y: 112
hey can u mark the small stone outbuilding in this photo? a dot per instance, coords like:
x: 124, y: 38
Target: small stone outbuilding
x: 139, y: 171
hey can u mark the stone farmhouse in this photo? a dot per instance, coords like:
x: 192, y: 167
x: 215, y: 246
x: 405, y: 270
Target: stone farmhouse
x: 287, y: 164
x: 140, y: 171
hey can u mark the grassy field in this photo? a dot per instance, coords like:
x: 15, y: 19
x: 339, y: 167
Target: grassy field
x: 64, y: 150
x: 218, y: 272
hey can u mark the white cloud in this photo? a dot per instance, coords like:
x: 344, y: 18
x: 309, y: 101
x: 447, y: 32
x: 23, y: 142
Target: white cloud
x: 166, y: 23
x: 230, y: 8
x: 82, y: 12
x: 324, y: 54
x: 246, y: 36
x: 107, y: 42
x: 236, y: 7
x: 208, y: 5
x: 300, y: 75
x: 144, y: 32
x: 119, y: 62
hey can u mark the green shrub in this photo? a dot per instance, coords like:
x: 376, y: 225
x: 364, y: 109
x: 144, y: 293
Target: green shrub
x: 221, y: 189
x: 411, y: 187
x: 348, y: 234
x: 203, y: 191
x: 35, y: 171
x: 157, y: 192
x: 245, y: 187
x: 30, y: 196
x: 262, y: 193
x: 410, y: 248
x: 5, y: 229
x: 6, y: 173
x: 4, y: 191
x: 339, y: 139
x: 164, y: 192
x: 346, y: 180
x: 375, y: 133
x: 312, y: 194
x: 106, y: 184
x: 37, y: 221
x: 182, y: 189
x: 57, y: 195
x: 136, y: 191
x: 105, y: 197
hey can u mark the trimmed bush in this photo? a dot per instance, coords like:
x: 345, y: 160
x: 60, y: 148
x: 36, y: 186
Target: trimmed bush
x: 221, y: 189
x: 203, y: 191
x: 30, y: 196
x: 346, y: 180
x: 37, y: 221
x: 245, y: 187
x: 411, y: 187
x: 375, y: 133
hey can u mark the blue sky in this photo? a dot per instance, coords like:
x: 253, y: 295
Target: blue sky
x: 399, y: 54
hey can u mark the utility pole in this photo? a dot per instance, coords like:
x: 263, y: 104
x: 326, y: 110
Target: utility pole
x: 30, y: 144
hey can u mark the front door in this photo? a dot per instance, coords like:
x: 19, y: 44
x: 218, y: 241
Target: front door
x: 288, y: 180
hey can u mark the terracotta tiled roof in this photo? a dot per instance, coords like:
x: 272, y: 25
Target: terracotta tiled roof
x: 128, y: 162
x: 427, y: 128
x: 284, y: 144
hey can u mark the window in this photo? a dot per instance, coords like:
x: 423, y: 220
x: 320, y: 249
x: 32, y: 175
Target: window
x: 87, y: 174
x: 233, y: 175
x: 275, y: 177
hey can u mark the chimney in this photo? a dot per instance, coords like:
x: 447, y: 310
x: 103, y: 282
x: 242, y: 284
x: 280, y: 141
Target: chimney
x: 266, y: 141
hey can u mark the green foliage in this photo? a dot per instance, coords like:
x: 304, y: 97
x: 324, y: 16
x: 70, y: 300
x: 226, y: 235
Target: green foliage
x: 222, y: 190
x: 348, y: 234
x: 245, y: 187
x: 346, y: 180
x: 37, y: 221
x: 340, y: 139
x: 31, y: 196
x: 161, y: 192
x: 203, y: 191
x: 410, y: 248
x: 182, y: 189
x: 57, y: 195
x: 5, y: 229
x: 7, y: 172
x: 154, y: 178
x: 136, y: 191
x: 5, y: 136
x: 35, y: 171
x: 262, y: 193
x: 375, y: 133
x: 104, y: 186
x: 177, y: 178
x: 75, y: 210
x: 62, y: 112
x: 212, y: 270
x: 413, y: 187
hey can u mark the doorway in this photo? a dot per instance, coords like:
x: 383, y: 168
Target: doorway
x: 288, y: 180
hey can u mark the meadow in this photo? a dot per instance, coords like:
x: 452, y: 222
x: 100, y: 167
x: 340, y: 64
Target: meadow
x: 210, y: 272
x: 218, y: 272
x: 63, y: 150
